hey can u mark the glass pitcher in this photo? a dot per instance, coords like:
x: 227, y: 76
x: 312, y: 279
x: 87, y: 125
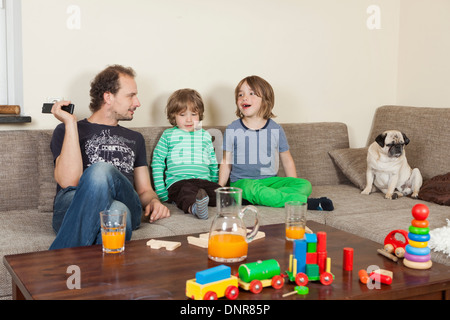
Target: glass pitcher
x: 228, y: 237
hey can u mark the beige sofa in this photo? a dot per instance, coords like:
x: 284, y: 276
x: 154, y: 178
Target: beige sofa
x: 322, y: 155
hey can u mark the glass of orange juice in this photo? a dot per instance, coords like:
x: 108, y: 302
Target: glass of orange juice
x: 295, y: 219
x: 113, y: 227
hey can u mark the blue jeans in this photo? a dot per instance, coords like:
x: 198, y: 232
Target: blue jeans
x: 76, y: 211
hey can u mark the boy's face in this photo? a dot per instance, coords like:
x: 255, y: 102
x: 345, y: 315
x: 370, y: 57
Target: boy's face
x: 248, y: 102
x: 187, y: 120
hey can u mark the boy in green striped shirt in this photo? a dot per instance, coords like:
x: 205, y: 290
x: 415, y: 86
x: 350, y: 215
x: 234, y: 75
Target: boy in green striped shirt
x: 184, y: 164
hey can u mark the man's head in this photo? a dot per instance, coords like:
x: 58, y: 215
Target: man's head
x: 107, y: 84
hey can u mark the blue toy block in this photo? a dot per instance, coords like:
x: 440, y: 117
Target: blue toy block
x: 213, y: 274
x: 300, y: 254
x: 311, y: 237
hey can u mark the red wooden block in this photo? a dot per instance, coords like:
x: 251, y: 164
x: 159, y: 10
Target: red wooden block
x: 311, y: 258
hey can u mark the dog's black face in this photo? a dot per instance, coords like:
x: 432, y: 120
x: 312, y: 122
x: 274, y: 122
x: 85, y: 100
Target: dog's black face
x: 392, y: 142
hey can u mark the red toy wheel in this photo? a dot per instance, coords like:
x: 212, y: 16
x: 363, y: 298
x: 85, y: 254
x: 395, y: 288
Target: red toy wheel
x: 210, y: 295
x: 256, y: 286
x: 231, y: 292
x: 301, y: 279
x: 326, y: 278
x: 277, y: 282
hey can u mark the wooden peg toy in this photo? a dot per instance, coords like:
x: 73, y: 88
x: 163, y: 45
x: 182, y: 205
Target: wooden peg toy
x: 387, y: 255
x: 158, y: 244
x: 300, y: 290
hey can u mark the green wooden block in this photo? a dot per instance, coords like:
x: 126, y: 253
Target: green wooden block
x: 311, y: 247
x: 312, y: 271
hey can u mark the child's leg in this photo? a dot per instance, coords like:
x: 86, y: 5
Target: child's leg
x: 275, y: 191
x: 190, y: 197
x: 210, y: 188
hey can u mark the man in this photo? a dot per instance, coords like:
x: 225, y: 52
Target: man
x: 101, y: 165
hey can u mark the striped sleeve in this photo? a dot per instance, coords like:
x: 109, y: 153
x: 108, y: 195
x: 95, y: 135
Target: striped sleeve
x: 158, y: 167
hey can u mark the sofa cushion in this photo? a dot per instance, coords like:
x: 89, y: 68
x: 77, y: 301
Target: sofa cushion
x: 353, y: 163
x: 437, y: 190
x: 309, y: 145
x: 18, y: 176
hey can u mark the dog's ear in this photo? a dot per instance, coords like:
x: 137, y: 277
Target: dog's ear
x: 380, y: 139
x: 405, y: 139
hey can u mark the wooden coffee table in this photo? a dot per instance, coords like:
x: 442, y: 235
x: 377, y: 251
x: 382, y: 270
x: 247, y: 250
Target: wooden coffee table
x: 144, y: 273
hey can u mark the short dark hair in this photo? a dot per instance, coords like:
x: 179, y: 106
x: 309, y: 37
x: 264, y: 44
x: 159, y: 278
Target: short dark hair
x: 181, y: 100
x: 107, y: 81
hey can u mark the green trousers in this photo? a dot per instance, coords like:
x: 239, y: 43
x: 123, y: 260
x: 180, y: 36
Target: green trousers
x: 275, y: 191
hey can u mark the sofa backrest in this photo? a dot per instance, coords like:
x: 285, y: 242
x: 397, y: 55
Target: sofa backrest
x: 27, y: 182
x: 428, y: 130
x: 309, y: 145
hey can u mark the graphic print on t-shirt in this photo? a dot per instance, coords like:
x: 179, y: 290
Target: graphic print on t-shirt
x: 110, y: 149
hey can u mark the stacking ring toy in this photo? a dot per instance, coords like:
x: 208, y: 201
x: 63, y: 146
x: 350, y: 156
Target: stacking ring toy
x: 418, y: 237
x: 414, y: 258
x: 417, y: 251
x: 420, y: 223
x: 418, y: 244
x: 416, y: 230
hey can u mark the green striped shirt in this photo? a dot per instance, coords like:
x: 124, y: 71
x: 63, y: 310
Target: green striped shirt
x: 181, y: 155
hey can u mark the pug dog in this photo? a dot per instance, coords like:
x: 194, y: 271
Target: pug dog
x: 388, y: 169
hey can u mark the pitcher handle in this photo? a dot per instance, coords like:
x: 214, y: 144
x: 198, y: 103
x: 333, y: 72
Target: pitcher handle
x: 253, y: 232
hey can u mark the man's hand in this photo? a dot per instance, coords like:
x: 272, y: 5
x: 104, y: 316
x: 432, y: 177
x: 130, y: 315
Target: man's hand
x: 62, y: 115
x: 156, y: 210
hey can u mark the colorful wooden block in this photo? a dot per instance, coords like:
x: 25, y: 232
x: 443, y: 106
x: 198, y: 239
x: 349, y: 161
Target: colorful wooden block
x: 213, y: 274
x: 311, y: 247
x: 300, y: 254
x: 312, y: 271
x: 311, y: 237
x: 311, y: 258
x: 321, y: 241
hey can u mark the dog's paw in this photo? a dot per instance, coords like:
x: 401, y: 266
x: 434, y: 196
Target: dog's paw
x: 366, y: 191
x: 415, y: 195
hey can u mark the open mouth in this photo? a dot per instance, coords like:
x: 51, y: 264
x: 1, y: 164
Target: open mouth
x: 246, y: 106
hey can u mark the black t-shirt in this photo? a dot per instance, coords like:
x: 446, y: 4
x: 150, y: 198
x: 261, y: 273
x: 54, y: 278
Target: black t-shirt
x: 119, y: 146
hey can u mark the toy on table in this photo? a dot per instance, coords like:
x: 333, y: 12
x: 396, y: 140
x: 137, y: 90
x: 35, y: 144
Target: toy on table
x: 417, y: 255
x: 348, y: 259
x: 394, y: 248
x: 300, y: 290
x: 380, y: 275
x: 309, y: 260
x: 254, y: 276
x: 213, y: 283
x: 158, y: 244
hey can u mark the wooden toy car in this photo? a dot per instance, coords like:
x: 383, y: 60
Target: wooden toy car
x: 213, y: 283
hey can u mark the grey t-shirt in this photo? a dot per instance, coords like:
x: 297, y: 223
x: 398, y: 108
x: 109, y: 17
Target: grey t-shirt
x: 255, y: 153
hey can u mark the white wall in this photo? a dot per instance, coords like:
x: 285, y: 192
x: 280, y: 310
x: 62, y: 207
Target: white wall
x: 424, y: 56
x: 323, y: 61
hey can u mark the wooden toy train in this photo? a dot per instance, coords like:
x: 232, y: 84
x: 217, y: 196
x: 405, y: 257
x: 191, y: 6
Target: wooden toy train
x: 309, y: 261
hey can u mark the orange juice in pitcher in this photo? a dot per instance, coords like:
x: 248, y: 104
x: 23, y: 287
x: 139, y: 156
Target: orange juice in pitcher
x: 227, y: 246
x: 228, y: 238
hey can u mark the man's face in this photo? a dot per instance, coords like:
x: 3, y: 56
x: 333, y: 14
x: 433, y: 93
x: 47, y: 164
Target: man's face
x: 125, y: 101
